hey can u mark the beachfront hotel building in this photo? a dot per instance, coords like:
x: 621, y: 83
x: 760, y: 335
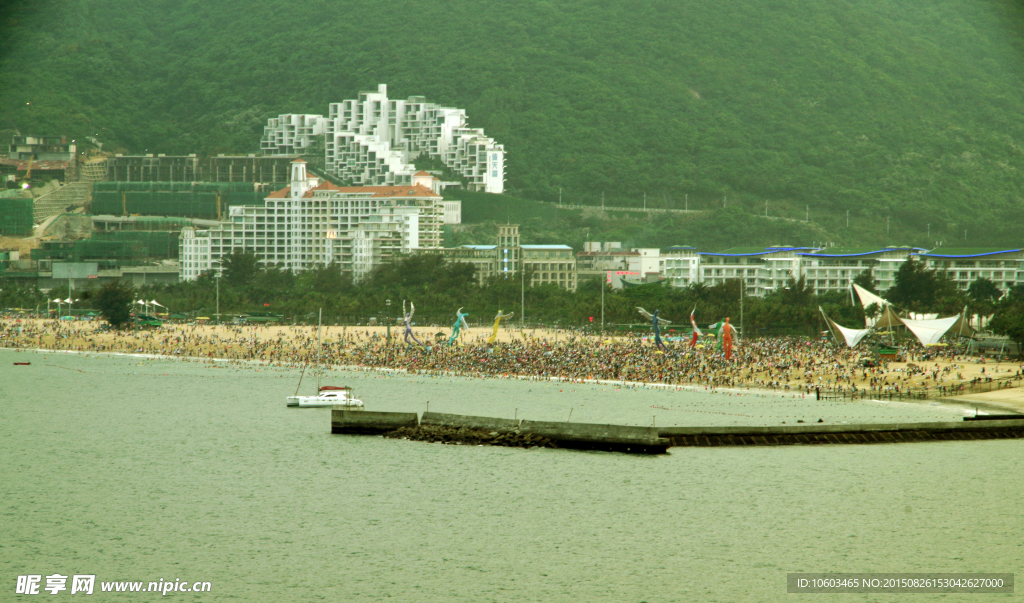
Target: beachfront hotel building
x: 373, y: 140
x: 833, y: 269
x: 1004, y: 267
x: 762, y: 269
x: 769, y: 269
x: 310, y: 223
x: 680, y: 264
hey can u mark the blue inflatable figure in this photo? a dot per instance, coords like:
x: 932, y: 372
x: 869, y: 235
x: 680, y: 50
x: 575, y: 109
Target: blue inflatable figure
x: 460, y: 321
x: 654, y: 323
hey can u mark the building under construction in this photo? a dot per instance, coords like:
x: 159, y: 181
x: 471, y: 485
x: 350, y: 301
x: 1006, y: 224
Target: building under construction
x: 204, y: 200
x: 189, y: 168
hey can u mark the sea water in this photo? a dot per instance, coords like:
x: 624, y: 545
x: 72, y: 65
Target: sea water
x: 135, y: 469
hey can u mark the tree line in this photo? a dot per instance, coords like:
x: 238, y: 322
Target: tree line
x: 438, y: 288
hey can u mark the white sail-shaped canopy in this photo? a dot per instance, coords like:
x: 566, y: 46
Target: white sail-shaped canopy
x: 851, y: 336
x: 867, y: 298
x: 887, y: 318
x: 929, y: 332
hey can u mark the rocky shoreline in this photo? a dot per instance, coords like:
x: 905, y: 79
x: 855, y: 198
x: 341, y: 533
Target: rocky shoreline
x: 470, y: 437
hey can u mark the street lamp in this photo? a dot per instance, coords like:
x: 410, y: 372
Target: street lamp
x: 220, y: 270
x: 70, y: 301
x: 387, y: 317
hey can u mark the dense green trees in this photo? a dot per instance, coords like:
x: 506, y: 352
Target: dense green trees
x: 919, y: 289
x: 907, y: 111
x: 240, y: 268
x: 1009, y: 317
x: 114, y: 301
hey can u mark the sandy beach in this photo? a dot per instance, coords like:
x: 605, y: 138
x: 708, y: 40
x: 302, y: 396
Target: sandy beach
x: 757, y: 366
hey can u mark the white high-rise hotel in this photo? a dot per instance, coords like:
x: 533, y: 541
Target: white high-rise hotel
x: 374, y: 140
x: 310, y: 223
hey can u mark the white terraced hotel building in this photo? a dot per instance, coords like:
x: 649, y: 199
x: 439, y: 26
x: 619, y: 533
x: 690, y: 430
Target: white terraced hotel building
x: 308, y: 224
x: 1004, y: 267
x: 373, y: 140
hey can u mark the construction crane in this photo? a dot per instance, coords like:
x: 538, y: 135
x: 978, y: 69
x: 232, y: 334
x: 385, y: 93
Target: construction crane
x: 28, y: 174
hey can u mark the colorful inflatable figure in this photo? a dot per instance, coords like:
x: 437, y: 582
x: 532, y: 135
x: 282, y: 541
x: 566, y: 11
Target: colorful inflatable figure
x: 460, y: 321
x: 408, y: 322
x: 654, y: 323
x: 497, y: 320
x: 696, y: 331
x: 723, y: 333
x: 727, y: 339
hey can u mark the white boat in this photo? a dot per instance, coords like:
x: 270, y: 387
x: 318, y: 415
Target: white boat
x: 330, y: 396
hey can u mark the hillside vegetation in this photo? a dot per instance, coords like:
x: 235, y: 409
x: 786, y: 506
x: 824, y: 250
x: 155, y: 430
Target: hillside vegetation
x: 910, y: 111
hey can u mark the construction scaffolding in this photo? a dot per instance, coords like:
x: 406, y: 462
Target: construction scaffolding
x: 205, y: 200
x: 63, y: 200
x: 93, y: 170
x: 15, y: 215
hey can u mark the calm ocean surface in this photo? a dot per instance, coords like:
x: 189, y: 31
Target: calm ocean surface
x: 138, y: 469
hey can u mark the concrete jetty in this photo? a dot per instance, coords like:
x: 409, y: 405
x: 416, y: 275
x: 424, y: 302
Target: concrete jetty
x: 656, y: 440
x: 589, y: 436
x: 865, y: 433
x: 593, y: 436
x: 440, y: 419
x: 361, y: 422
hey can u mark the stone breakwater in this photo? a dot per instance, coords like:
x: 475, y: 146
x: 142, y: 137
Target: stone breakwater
x: 470, y: 437
x: 587, y: 436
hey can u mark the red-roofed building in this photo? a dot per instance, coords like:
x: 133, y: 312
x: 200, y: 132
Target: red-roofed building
x: 311, y: 223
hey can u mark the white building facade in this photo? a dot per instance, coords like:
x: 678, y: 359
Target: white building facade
x: 680, y: 264
x: 1004, y: 267
x: 309, y: 224
x: 834, y: 269
x: 373, y: 140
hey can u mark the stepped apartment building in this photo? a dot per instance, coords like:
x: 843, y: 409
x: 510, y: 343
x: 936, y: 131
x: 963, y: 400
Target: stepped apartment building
x: 373, y: 140
x: 310, y: 223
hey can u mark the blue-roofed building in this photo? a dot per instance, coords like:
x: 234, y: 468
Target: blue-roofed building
x: 763, y: 269
x: 1004, y: 267
x: 834, y: 268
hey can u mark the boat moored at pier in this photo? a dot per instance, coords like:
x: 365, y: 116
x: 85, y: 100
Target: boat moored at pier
x: 328, y: 396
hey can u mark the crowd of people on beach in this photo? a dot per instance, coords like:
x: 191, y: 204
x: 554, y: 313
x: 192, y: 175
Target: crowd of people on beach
x: 778, y: 363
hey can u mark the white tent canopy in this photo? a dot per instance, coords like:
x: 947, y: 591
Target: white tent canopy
x: 866, y: 299
x: 929, y: 332
x: 851, y: 336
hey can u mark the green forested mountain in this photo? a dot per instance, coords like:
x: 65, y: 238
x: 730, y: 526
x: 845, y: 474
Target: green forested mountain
x: 908, y: 110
